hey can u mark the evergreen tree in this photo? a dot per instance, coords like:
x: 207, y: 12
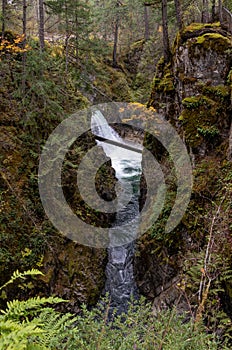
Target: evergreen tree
x: 205, y: 11
x: 3, y: 16
x: 41, y: 24
x: 75, y: 19
x: 178, y: 14
x: 146, y: 23
x: 166, y: 45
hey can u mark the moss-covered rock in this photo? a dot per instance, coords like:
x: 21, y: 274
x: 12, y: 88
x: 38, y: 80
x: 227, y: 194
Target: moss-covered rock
x: 28, y: 239
x: 132, y: 57
x: 163, y: 88
x: 198, y: 104
x: 204, y: 121
x: 213, y: 41
x: 194, y: 88
x: 73, y: 272
x: 107, y: 83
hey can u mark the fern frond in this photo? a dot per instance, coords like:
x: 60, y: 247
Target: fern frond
x: 18, y: 335
x: 16, y: 308
x: 59, y: 328
x: 9, y: 326
x: 21, y: 275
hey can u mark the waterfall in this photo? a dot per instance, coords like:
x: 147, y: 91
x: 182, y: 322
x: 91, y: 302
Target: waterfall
x: 120, y: 283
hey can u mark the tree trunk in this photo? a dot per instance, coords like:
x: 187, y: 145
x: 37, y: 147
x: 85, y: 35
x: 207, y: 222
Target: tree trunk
x: 166, y: 47
x: 116, y: 31
x: 67, y: 35
x: 24, y: 45
x: 76, y: 37
x: 220, y: 10
x: 205, y: 12
x: 178, y: 14
x: 115, y: 43
x: 146, y: 23
x: 41, y: 24
x: 214, y: 11
x: 4, y: 4
x: 24, y: 18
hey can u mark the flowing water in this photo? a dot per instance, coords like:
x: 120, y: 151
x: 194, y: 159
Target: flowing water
x: 120, y: 283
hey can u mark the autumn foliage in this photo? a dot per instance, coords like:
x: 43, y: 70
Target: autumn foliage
x: 13, y: 44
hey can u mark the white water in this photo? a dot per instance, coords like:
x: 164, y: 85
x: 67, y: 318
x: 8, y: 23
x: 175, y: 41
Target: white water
x: 127, y: 164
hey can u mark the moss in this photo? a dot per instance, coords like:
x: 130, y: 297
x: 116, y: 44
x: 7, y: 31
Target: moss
x: 219, y: 93
x: 205, y: 116
x: 208, y: 132
x: 209, y: 175
x: 80, y: 272
x: 163, y: 86
x: 198, y: 26
x: 199, y: 119
x: 213, y: 41
x: 166, y: 82
x: 160, y: 64
x: 119, y: 87
x: 187, y: 80
x: 193, y: 30
x: 109, y: 83
x: 194, y: 102
x: 138, y: 45
x: 229, y: 81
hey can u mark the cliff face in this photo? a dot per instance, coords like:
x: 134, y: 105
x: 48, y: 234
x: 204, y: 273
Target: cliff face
x: 193, y: 91
x: 28, y: 239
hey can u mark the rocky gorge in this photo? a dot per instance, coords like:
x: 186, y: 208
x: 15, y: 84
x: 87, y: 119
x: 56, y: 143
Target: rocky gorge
x: 193, y: 91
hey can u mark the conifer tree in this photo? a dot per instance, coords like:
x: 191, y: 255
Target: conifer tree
x: 4, y: 5
x: 41, y: 25
x: 75, y: 19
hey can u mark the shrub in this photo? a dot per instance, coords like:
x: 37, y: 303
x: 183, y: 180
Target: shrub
x: 33, y: 324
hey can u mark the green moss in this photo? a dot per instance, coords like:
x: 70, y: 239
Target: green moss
x: 164, y: 83
x: 229, y: 78
x: 137, y: 45
x: 214, y: 41
x: 109, y: 82
x: 210, y: 174
x: 199, y: 119
x: 198, y: 26
x: 161, y: 63
x: 191, y: 29
x: 194, y: 102
x: 208, y: 132
x: 119, y: 88
x: 220, y: 93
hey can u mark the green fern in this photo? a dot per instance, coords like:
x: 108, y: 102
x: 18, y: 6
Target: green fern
x: 59, y: 329
x: 34, y: 325
x: 31, y: 324
x: 21, y: 275
x: 16, y: 309
x: 15, y: 335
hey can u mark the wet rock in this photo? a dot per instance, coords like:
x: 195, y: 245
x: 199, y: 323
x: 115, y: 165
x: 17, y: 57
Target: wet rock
x: 74, y: 272
x: 193, y: 92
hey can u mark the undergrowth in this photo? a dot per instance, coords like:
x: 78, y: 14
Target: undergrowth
x: 34, y: 324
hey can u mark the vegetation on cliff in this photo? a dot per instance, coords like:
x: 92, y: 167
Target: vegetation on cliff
x: 42, y: 82
x: 27, y: 118
x: 193, y: 91
x: 34, y: 324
